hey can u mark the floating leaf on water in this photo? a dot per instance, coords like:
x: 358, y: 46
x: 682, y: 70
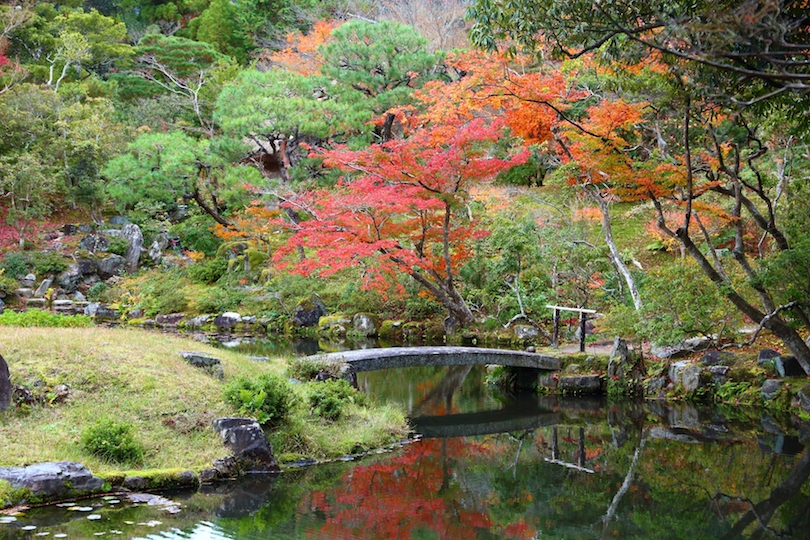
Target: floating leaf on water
x: 43, y: 533
x: 66, y: 504
x: 113, y: 501
x: 107, y: 498
x: 8, y: 519
x: 28, y: 528
x: 129, y: 522
x: 114, y: 531
x: 60, y: 535
x: 83, y: 508
x: 94, y: 517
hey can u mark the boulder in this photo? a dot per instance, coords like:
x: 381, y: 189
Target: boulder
x: 2, y: 306
x: 685, y: 347
x: 334, y: 325
x: 104, y: 313
x: 42, y: 290
x: 5, y: 385
x: 788, y: 366
x: 580, y: 384
x: 70, y: 278
x: 111, y: 266
x: 170, y: 320
x: 93, y: 243
x: 85, y: 228
x: 719, y: 374
x: 714, y: 357
x: 770, y: 388
x: 36, y: 303
x: 308, y: 311
x: 685, y: 373
x: 91, y: 308
x: 160, y: 243
x: 365, y: 324
x: 132, y: 234
x: 28, y: 281
x: 210, y: 364
x: 23, y: 293
x: 53, y: 480
x: 198, y: 322
x: 69, y: 229
x: 248, y: 443
x: 136, y: 313
x: 803, y: 398
x: 227, y: 320
x: 526, y: 332
x: 119, y: 220
x: 767, y: 356
x: 623, y: 363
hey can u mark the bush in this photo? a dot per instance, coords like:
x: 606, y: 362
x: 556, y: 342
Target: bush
x: 36, y: 317
x: 95, y: 292
x: 7, y: 285
x: 118, y: 245
x: 45, y: 264
x: 216, y: 300
x: 306, y: 369
x: 113, y: 441
x: 15, y: 265
x: 208, y: 271
x: 330, y: 398
x: 268, y: 398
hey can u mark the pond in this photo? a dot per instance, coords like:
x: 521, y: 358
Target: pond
x: 533, y: 467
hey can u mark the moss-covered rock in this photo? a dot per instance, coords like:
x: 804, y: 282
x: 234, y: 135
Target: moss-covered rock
x: 390, y: 329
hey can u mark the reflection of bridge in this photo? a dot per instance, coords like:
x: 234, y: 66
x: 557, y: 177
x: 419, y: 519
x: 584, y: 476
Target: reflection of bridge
x: 399, y: 357
x: 482, y: 423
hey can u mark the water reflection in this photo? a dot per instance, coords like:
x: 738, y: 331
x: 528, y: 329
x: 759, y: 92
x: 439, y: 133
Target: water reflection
x: 536, y: 467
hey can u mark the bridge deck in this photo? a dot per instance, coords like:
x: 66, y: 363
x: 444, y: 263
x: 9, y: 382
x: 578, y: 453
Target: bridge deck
x: 394, y: 357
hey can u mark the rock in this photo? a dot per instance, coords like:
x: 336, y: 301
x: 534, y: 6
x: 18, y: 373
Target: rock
x: 179, y: 214
x: 170, y: 320
x: 308, y: 311
x: 91, y: 308
x: 136, y: 313
x: 93, y: 243
x: 687, y: 346
x: 198, y: 322
x: 36, y: 303
x: 119, y: 220
x: 719, y: 374
x: 526, y: 332
x: 714, y: 357
x: 580, y: 384
x: 103, y: 313
x: 770, y: 388
x: 227, y: 320
x: 259, y: 358
x: 334, y: 325
x: 572, y: 368
x: 788, y: 366
x: 5, y: 385
x: 78, y: 297
x: 132, y: 234
x: 70, y: 278
x: 2, y: 306
x: 23, y: 293
x: 656, y: 385
x: 685, y: 373
x: 226, y: 467
x: 250, y: 319
x: 766, y: 356
x: 621, y: 363
x: 64, y: 307
x: 803, y: 397
x: 210, y: 364
x: 364, y: 324
x: 135, y: 483
x: 28, y: 281
x: 84, y: 228
x: 53, y: 480
x: 249, y: 444
x: 42, y: 290
x: 69, y: 230
x: 160, y: 243
x: 111, y: 266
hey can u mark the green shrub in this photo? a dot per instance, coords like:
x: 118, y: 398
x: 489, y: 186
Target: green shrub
x: 217, y: 300
x: 196, y: 234
x: 208, y: 271
x: 15, y: 264
x: 36, y: 317
x: 306, y: 369
x: 268, y: 398
x: 7, y: 284
x: 113, y: 441
x: 118, y: 245
x: 330, y: 398
x: 48, y: 263
x: 94, y: 292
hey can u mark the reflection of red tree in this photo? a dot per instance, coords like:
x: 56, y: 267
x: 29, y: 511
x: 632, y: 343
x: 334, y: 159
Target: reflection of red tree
x: 406, y: 493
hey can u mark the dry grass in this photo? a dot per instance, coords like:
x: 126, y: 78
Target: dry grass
x: 131, y: 375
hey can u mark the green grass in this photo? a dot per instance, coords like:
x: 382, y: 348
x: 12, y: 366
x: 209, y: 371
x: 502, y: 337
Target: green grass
x: 138, y: 377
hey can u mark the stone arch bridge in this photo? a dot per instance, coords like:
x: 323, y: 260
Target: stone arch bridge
x: 398, y: 357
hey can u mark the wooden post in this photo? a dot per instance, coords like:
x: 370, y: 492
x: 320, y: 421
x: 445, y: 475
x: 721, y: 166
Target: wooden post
x: 582, y: 318
x: 581, y: 446
x: 556, y: 337
x: 555, y: 444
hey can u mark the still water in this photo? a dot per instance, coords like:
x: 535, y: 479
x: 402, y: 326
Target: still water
x: 529, y: 468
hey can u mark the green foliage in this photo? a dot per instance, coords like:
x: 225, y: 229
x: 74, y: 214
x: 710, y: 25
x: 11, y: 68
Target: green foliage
x: 35, y: 317
x: 113, y: 441
x: 162, y: 293
x: 329, y: 399
x: 268, y: 398
x: 219, y: 26
x: 96, y: 290
x: 218, y: 300
x: 195, y: 234
x: 15, y: 264
x: 305, y: 369
x: 207, y: 271
x: 118, y: 245
x: 48, y: 263
x: 7, y: 285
